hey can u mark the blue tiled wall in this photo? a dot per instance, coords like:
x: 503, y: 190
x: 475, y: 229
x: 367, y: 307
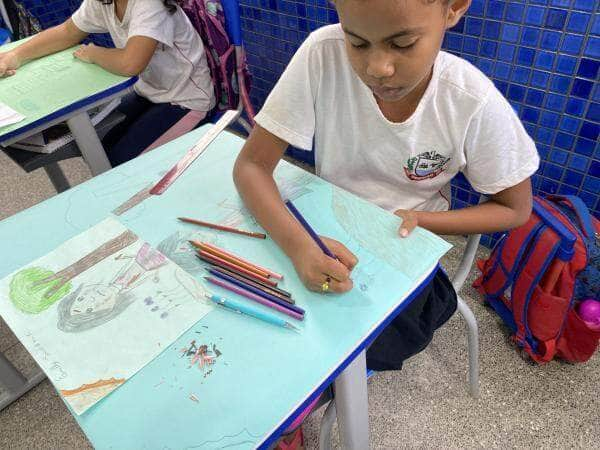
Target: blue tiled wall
x: 54, y: 12
x: 544, y: 55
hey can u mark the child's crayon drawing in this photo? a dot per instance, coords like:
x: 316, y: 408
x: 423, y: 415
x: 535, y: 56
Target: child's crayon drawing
x: 86, y: 310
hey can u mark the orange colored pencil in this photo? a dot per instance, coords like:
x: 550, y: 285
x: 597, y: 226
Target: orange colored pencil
x: 233, y: 260
x: 223, y: 228
x: 210, y: 257
x: 263, y: 269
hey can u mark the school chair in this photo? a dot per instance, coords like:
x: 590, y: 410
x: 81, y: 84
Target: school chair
x: 4, y: 36
x: 231, y: 11
x: 458, y: 280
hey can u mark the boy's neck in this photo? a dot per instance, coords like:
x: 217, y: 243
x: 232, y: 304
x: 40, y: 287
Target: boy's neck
x: 401, y: 110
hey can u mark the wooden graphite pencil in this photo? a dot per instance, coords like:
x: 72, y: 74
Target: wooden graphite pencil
x: 223, y: 228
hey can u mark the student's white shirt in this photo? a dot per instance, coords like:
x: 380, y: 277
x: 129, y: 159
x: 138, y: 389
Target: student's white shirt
x: 462, y: 124
x: 178, y: 71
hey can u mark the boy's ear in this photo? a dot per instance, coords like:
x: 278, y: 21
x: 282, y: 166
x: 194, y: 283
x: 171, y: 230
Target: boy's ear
x: 456, y: 9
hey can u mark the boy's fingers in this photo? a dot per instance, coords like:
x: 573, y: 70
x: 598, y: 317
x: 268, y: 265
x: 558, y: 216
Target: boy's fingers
x: 345, y: 256
x: 335, y: 269
x: 409, y: 223
x: 340, y: 287
x: 327, y: 284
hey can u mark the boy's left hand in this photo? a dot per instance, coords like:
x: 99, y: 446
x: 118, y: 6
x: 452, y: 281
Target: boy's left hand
x: 409, y: 221
x: 85, y: 53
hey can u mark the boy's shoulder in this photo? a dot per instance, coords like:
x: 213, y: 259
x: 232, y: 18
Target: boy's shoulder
x: 460, y: 76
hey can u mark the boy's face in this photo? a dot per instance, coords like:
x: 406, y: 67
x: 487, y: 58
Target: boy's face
x: 392, y: 44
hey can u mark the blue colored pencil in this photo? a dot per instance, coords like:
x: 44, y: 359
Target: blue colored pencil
x: 257, y: 291
x: 249, y: 310
x: 309, y: 230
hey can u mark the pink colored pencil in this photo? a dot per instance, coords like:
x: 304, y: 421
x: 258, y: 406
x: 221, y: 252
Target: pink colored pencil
x: 225, y: 252
x: 256, y: 298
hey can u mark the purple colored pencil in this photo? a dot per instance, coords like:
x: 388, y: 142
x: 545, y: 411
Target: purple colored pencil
x: 257, y: 298
x: 308, y: 229
x: 256, y: 291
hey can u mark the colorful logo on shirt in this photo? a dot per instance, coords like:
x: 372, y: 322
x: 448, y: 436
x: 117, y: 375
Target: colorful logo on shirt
x: 425, y: 165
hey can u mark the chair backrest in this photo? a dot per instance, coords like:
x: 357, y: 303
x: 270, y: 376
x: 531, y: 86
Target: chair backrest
x: 218, y: 23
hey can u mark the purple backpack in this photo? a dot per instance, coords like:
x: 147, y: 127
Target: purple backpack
x: 208, y: 19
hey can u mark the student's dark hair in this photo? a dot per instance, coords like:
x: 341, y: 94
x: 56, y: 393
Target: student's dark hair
x: 171, y: 5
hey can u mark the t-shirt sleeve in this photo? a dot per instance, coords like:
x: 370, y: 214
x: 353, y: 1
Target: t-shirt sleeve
x: 89, y: 18
x: 499, y: 152
x: 289, y: 111
x: 150, y: 18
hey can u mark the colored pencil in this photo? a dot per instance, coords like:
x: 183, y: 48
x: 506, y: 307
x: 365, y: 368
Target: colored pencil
x: 232, y: 259
x: 284, y: 295
x: 249, y: 310
x: 225, y: 252
x: 257, y: 291
x: 251, y: 296
x: 223, y: 228
x: 231, y: 270
x: 212, y: 259
x: 308, y: 229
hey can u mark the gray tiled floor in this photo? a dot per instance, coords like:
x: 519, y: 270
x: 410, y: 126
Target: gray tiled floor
x: 424, y: 406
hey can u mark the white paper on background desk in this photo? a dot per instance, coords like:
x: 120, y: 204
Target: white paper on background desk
x: 97, y: 309
x: 9, y: 116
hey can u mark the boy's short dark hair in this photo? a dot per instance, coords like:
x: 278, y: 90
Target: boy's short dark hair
x: 171, y: 5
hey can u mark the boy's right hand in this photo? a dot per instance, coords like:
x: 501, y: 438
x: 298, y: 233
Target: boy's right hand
x: 9, y: 63
x: 315, y: 268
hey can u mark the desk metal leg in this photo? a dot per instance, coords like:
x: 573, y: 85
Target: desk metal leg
x: 57, y: 177
x: 352, y: 405
x: 88, y: 142
x: 14, y: 383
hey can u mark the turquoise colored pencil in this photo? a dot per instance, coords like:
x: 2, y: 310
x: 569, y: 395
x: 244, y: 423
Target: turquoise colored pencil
x: 249, y: 310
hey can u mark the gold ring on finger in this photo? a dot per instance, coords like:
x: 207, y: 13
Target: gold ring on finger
x: 325, y: 285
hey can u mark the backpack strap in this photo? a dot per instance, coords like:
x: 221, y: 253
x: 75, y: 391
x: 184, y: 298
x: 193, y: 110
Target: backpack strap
x: 567, y: 238
x: 542, y: 252
x: 581, y: 210
x: 502, y: 266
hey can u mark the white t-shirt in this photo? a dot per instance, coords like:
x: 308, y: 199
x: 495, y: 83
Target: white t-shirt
x: 178, y: 72
x: 462, y: 124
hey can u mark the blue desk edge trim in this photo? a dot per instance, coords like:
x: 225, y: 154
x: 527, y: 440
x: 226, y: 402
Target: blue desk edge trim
x: 265, y: 444
x: 72, y: 107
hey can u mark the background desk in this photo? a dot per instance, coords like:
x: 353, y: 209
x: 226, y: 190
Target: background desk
x: 59, y: 88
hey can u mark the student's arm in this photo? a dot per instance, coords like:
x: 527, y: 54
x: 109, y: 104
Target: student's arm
x: 505, y: 210
x: 44, y: 43
x: 253, y: 176
x: 129, y: 61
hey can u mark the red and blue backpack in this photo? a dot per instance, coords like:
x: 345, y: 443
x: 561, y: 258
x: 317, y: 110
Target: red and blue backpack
x: 538, y: 273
